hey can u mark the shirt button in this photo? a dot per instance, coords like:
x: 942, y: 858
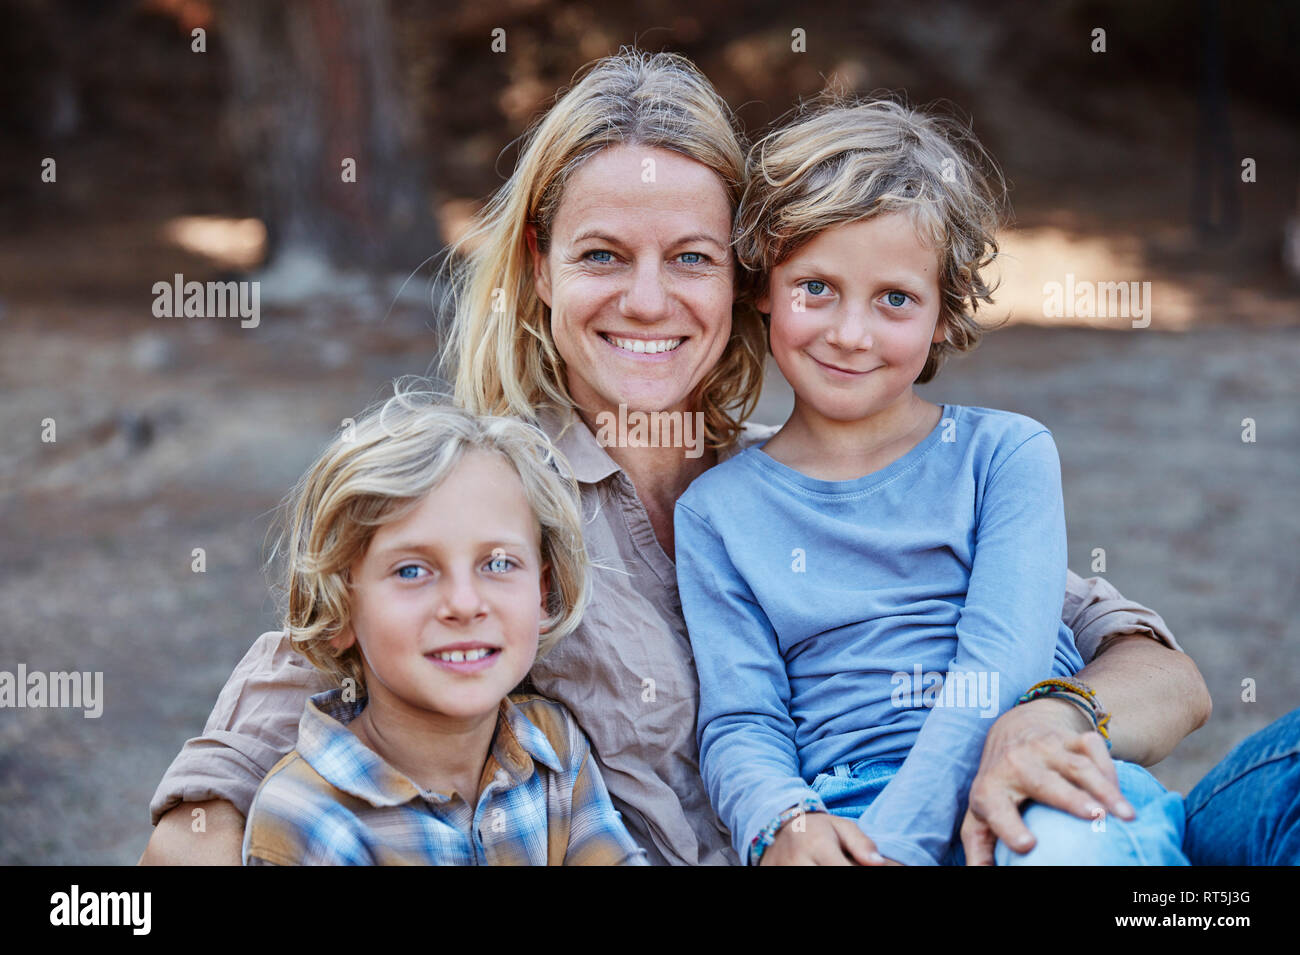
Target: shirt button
x: 502, y: 777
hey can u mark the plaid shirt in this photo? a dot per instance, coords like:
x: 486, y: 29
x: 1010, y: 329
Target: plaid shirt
x: 333, y: 801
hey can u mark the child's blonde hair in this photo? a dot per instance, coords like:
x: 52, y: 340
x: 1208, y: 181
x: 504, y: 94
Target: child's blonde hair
x: 505, y: 358
x: 844, y: 161
x: 377, y: 471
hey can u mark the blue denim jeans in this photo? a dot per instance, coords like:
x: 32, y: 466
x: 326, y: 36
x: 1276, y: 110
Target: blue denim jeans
x: 1246, y: 811
x: 1155, y: 837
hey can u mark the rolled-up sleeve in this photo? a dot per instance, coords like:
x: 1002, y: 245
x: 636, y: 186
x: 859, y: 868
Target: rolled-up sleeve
x: 252, y: 727
x: 1095, y: 610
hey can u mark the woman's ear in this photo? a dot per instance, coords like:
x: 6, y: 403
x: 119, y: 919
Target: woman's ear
x: 541, y: 266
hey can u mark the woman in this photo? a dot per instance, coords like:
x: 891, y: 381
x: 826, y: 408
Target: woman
x: 602, y: 279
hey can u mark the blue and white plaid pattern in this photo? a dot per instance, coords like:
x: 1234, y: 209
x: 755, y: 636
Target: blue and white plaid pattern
x: 333, y: 801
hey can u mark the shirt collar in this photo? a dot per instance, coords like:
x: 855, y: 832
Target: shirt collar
x: 518, y: 742
x: 590, y: 462
x: 346, y: 763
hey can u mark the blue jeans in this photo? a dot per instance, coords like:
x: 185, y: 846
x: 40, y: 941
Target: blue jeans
x: 1154, y: 838
x: 1246, y: 811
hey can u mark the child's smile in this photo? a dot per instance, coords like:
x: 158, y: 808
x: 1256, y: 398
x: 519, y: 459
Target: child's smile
x: 846, y: 373
x: 465, y: 657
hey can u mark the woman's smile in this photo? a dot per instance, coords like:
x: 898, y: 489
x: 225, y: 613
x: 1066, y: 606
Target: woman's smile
x: 642, y: 347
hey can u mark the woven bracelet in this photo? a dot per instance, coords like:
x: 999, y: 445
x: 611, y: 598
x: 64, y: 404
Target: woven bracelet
x: 767, y: 834
x: 1076, y: 692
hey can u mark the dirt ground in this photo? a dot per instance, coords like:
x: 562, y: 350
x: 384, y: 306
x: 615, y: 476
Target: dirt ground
x: 185, y: 436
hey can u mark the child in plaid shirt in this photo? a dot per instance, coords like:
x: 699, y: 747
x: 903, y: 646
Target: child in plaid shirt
x: 432, y: 556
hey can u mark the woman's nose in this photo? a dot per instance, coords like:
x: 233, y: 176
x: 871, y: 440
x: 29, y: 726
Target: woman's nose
x: 646, y: 299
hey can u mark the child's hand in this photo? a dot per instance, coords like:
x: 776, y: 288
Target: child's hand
x: 823, y: 839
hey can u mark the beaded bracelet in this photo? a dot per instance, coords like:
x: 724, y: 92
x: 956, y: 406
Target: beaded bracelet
x: 1076, y: 692
x: 767, y: 834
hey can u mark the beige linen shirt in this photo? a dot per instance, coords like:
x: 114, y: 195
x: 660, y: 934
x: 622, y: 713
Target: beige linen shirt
x: 626, y: 674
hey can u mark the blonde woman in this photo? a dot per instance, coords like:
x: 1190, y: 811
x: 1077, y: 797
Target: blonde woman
x: 602, y: 293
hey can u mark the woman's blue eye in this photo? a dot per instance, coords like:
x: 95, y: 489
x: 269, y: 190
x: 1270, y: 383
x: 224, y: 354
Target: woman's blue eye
x: 402, y: 571
x: 696, y: 260
x: 499, y: 565
x: 609, y: 257
x: 815, y: 287
x: 896, y: 299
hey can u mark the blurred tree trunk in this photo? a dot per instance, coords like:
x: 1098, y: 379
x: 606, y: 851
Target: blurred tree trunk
x: 315, y: 83
x: 1216, y: 206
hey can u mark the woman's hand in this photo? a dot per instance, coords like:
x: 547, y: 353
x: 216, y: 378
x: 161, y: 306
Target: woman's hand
x: 1045, y: 751
x: 822, y: 839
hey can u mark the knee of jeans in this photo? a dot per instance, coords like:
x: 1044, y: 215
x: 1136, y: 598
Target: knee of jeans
x: 1063, y: 839
x: 1060, y: 839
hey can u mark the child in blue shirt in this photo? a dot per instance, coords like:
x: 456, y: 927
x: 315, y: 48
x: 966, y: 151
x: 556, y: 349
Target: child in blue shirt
x: 871, y: 588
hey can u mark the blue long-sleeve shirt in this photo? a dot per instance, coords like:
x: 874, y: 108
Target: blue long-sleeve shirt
x: 891, y: 616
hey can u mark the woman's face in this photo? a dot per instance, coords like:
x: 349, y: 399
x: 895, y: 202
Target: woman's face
x: 639, y: 279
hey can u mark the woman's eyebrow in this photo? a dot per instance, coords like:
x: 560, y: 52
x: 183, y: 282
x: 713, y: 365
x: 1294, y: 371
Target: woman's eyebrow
x: 700, y: 237
x: 683, y: 240
x: 595, y: 234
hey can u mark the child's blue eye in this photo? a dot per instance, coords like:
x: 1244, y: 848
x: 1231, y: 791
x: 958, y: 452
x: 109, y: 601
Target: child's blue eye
x: 402, y: 571
x: 896, y: 299
x: 499, y: 565
x: 815, y: 287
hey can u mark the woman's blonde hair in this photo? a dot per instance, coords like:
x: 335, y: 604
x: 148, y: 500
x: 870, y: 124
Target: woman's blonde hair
x: 380, y: 469
x: 841, y: 161
x: 506, y: 359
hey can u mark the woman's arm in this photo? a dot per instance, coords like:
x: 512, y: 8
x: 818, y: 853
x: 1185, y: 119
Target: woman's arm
x: 1156, y: 696
x: 253, y: 725
x: 1047, y: 751
x: 176, y: 841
